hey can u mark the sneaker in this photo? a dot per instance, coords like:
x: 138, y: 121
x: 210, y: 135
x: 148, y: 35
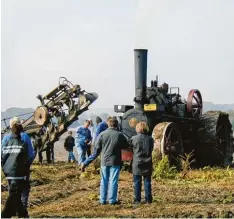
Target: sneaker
x: 102, y: 203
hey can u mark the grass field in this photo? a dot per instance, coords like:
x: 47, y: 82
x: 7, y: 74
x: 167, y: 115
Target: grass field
x: 61, y: 190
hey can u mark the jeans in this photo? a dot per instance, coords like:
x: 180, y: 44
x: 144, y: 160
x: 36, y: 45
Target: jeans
x: 71, y: 156
x: 92, y: 157
x: 81, y: 150
x: 17, y: 201
x: 109, y: 184
x: 137, y: 188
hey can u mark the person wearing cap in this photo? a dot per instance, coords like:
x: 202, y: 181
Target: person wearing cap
x: 83, y: 139
x: 69, y: 143
x: 17, y: 155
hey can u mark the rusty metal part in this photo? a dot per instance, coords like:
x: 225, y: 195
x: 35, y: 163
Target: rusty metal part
x: 194, y: 104
x: 168, y: 141
x: 216, y: 139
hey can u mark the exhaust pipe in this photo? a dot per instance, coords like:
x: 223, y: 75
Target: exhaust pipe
x: 140, y: 59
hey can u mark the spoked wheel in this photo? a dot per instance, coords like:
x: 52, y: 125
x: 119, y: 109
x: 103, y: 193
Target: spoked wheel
x: 168, y: 141
x: 194, y: 104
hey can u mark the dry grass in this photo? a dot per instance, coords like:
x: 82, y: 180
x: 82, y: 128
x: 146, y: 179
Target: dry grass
x: 60, y: 190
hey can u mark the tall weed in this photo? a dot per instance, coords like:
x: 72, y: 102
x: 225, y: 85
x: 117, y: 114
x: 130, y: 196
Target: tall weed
x: 162, y: 170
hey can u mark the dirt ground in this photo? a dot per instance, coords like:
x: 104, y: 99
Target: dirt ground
x: 61, y: 190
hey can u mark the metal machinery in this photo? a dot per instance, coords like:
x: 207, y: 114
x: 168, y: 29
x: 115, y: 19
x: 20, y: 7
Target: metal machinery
x: 177, y: 125
x: 58, y: 110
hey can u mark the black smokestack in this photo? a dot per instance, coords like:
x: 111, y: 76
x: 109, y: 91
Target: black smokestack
x: 140, y: 58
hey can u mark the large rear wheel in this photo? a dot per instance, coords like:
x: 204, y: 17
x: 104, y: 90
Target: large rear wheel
x: 168, y: 141
x: 216, y: 139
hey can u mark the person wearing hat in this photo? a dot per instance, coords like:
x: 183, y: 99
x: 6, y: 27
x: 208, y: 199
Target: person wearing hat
x: 17, y: 156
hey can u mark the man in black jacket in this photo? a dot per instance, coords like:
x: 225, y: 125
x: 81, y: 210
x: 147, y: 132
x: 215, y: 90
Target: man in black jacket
x: 109, y: 143
x: 69, y: 143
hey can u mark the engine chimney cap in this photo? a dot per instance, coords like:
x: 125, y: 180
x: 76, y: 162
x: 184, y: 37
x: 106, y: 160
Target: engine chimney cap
x: 140, y: 49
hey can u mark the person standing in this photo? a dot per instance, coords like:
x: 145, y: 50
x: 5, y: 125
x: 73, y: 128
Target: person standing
x: 109, y: 144
x: 37, y: 147
x: 17, y: 156
x: 142, y: 162
x: 92, y: 130
x: 83, y: 139
x: 69, y: 143
x: 101, y: 126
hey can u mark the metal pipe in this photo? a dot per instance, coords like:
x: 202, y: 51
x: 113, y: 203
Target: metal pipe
x: 140, y: 58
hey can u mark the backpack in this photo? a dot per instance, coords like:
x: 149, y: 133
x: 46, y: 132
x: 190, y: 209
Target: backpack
x: 14, y: 158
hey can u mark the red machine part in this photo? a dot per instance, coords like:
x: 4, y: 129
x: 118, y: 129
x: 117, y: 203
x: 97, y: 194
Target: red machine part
x: 126, y: 155
x: 194, y: 104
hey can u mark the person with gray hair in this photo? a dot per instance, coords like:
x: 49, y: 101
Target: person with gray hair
x: 16, y: 158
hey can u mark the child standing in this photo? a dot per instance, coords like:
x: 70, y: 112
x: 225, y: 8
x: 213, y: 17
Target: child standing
x: 142, y: 162
x: 69, y: 143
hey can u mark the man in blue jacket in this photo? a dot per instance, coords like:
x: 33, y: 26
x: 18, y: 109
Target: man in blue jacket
x: 83, y: 139
x: 17, y: 156
x: 101, y: 126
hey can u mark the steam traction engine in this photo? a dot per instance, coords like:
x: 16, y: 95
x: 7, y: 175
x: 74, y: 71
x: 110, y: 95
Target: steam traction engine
x: 177, y: 126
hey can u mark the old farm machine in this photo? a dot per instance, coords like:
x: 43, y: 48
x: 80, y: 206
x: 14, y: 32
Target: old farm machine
x: 178, y: 126
x: 57, y: 111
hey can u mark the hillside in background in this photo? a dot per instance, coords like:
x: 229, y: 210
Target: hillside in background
x: 222, y: 107
x: 15, y: 111
x: 104, y: 113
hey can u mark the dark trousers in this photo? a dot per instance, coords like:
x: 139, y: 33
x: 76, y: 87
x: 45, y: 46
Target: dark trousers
x: 137, y: 188
x: 16, y: 203
x: 88, y: 150
x: 37, y: 151
x: 50, y: 153
x: 40, y: 157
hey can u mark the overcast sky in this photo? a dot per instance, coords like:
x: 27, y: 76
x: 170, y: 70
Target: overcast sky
x: 91, y: 42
